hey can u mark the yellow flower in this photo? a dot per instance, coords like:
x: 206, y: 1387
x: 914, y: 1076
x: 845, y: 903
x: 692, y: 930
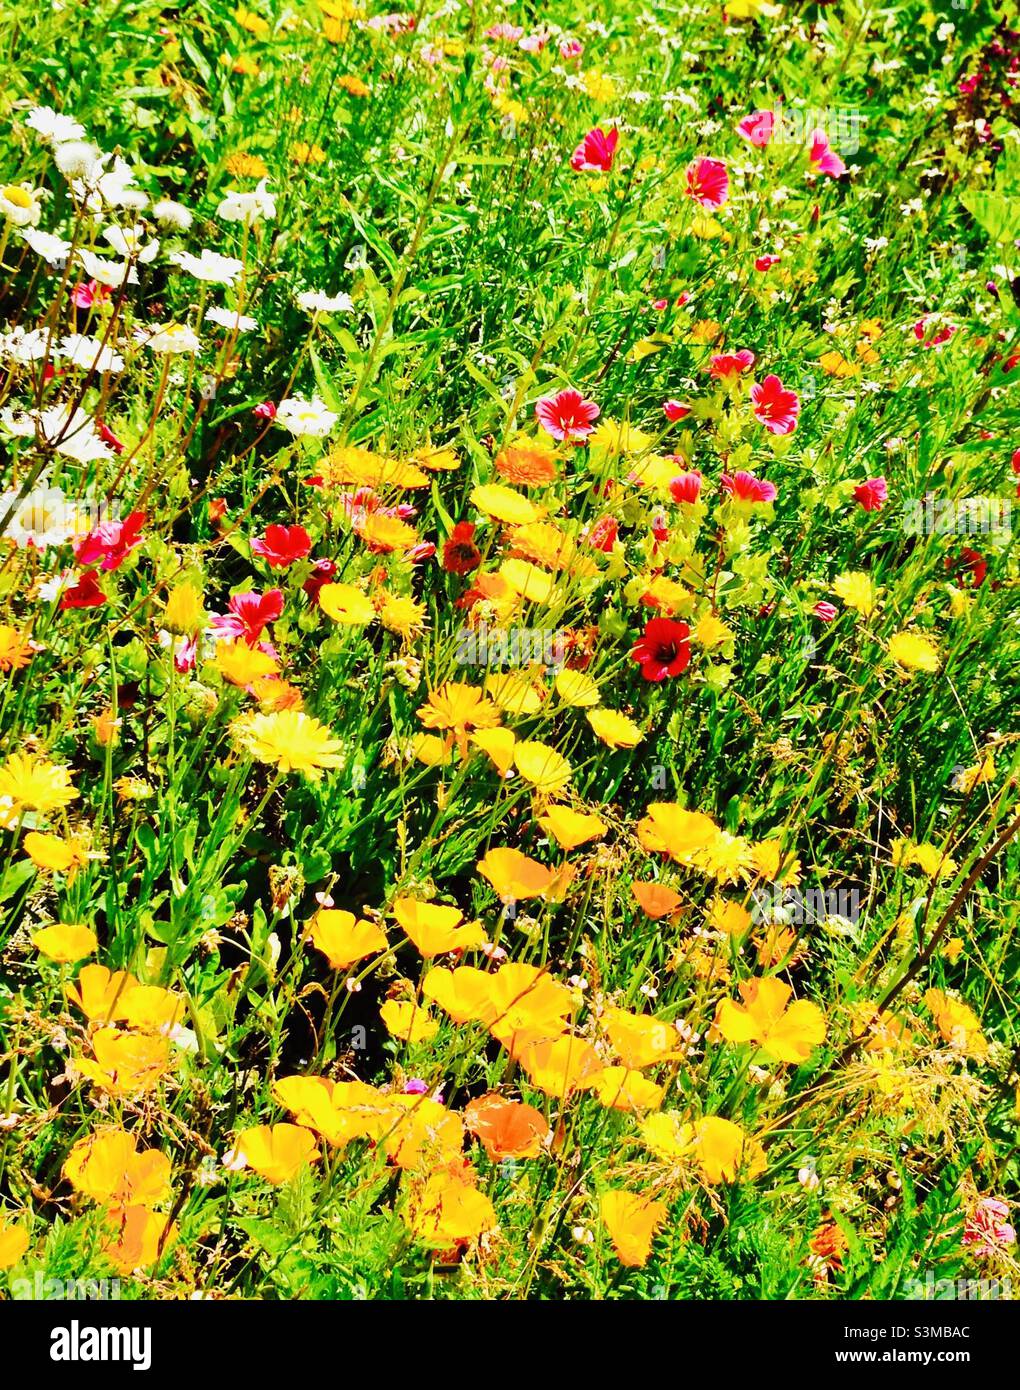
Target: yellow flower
x: 108, y: 1168
x: 385, y: 533
x: 682, y: 834
x: 709, y: 632
x: 727, y: 915
x: 614, y: 729
x: 560, y: 1066
x: 408, y: 1021
x: 786, y: 1034
x: 303, y: 153
x: 290, y: 741
x: 402, y: 615
x: 913, y: 651
x: 612, y: 438
x: 184, y: 613
x: 13, y: 1244
x: 458, y: 707
x: 498, y: 744
x: 957, y: 1023
x: 352, y: 85
x: 15, y: 650
x: 514, y: 875
x: 65, y: 942
x: 276, y: 1152
x: 431, y: 750
x: 546, y: 770
x: 576, y: 688
x: 515, y: 693
x: 632, y: 1222
x: 436, y: 929
x: 505, y: 505
x: 640, y: 1040
x: 835, y: 364
x: 527, y: 581
x: 344, y: 939
x: 65, y: 856
x: 29, y: 782
x: 253, y: 22
x: 446, y: 1210
x: 246, y: 166
x: 857, y: 592
x: 977, y: 775
x: 125, y: 1064
x: 720, y: 1147
x: 930, y: 859
x: 346, y: 604
x: 571, y: 828
x: 140, y: 1237
x: 623, y: 1088
x: 241, y: 665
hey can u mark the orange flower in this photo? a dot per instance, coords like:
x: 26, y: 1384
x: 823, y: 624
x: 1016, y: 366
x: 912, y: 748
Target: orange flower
x: 526, y: 464
x: 507, y: 1128
x: 446, y: 1211
x: 276, y: 1152
x: 459, y: 708
x: 655, y: 899
x: 514, y: 876
x: 141, y: 1236
x: 344, y: 939
x: 108, y: 1168
x: 560, y: 1066
x: 640, y: 1041
x: 125, y: 1064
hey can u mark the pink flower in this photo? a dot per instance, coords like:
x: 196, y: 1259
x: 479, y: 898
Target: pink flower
x: 757, y: 128
x: 708, y: 182
x: 824, y: 157
x: 730, y: 364
x: 660, y: 304
x: 567, y: 415
x: 603, y: 534
x: 872, y: 494
x: 595, y: 153
x: 766, y: 262
x: 265, y: 411
x: 282, y: 545
x: 676, y: 410
x: 571, y: 49
x: 745, y: 487
x: 686, y: 487
x: 509, y: 32
x: 111, y: 542
x: 986, y: 1230
x: 940, y: 336
x: 824, y: 612
x: 247, y: 616
x: 83, y: 296
x: 775, y: 406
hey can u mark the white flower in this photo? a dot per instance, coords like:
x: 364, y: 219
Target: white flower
x: 303, y: 417
x: 43, y: 518
x: 170, y: 214
x: 25, y: 345
x: 316, y: 302
x: 90, y: 353
x: 110, y: 273
x: 130, y: 242
x: 51, y: 589
x: 230, y: 318
x: 172, y: 338
x: 77, y: 159
x: 247, y: 207
x: 101, y: 186
x: 53, y: 249
x: 65, y: 431
x: 20, y: 204
x: 52, y: 126
x: 209, y: 266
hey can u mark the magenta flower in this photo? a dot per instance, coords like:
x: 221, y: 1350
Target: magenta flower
x: 824, y: 157
x: 596, y: 152
x: 824, y: 612
x: 745, y: 487
x: 708, y: 182
x: 775, y: 406
x: 675, y: 410
x: 757, y: 128
x: 686, y: 487
x: 872, y: 495
x: 567, y: 415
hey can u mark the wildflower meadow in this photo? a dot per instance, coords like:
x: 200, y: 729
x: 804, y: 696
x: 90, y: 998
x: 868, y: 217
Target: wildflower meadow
x: 508, y: 650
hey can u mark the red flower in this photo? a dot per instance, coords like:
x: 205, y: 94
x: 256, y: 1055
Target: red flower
x: 595, y: 153
x: 872, y: 494
x: 708, y: 182
x: 730, y: 364
x: 970, y: 562
x: 567, y: 415
x: 322, y: 573
x: 108, y: 437
x: 603, y: 534
x: 745, y: 487
x: 111, y: 542
x: 265, y: 411
x: 766, y: 262
x: 686, y: 487
x: 775, y: 406
x: 663, y: 649
x: 675, y: 410
x: 248, y: 614
x: 85, y: 594
x: 460, y: 554
x: 282, y: 545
